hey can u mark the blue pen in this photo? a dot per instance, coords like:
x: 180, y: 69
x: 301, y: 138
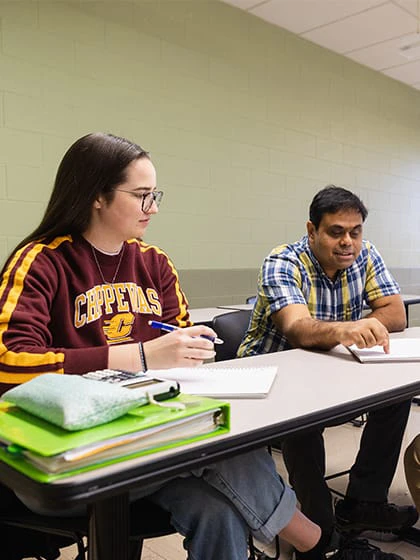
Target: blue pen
x: 170, y: 328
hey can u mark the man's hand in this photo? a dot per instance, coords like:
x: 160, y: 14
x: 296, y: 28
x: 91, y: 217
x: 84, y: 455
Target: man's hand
x: 295, y: 322
x: 365, y: 333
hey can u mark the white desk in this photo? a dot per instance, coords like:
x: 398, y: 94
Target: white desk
x: 408, y: 299
x: 205, y: 315
x: 237, y: 307
x: 311, y: 389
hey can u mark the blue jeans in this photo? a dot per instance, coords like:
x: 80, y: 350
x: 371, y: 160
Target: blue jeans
x: 217, y: 506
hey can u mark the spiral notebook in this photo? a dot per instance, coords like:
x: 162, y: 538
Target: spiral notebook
x: 242, y: 383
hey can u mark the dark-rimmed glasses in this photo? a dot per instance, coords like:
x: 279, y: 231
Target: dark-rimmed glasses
x: 147, y: 199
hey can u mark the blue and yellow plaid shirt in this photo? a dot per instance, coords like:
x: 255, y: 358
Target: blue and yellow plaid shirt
x: 291, y: 274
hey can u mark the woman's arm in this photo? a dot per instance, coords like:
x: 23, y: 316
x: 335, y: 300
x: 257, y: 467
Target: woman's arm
x: 180, y: 348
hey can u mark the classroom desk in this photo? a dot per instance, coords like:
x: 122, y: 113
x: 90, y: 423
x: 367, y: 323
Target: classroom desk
x: 411, y: 299
x: 333, y: 387
x: 237, y: 307
x: 408, y: 299
x: 205, y: 315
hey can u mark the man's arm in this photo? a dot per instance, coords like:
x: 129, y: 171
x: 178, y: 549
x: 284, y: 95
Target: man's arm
x: 390, y: 311
x: 302, y: 331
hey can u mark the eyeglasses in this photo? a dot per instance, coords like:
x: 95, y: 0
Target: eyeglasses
x: 147, y: 199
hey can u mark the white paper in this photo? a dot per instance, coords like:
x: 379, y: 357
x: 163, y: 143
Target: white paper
x: 221, y: 382
x: 401, y: 350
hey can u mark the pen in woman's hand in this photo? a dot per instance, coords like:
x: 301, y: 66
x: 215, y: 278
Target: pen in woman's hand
x: 169, y: 328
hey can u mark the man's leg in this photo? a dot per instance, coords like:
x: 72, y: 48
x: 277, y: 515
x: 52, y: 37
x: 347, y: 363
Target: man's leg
x: 304, y: 457
x: 412, y: 469
x: 365, y: 506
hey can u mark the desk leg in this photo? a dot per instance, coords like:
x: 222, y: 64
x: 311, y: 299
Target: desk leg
x: 109, y: 529
x: 406, y: 314
x: 416, y: 400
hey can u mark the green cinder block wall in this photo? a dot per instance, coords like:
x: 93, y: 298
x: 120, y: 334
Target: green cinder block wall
x: 244, y: 121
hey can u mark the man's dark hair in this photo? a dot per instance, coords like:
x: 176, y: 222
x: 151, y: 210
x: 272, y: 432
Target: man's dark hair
x: 332, y: 199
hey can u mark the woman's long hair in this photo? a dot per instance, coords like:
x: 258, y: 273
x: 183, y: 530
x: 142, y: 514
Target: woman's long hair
x: 92, y: 167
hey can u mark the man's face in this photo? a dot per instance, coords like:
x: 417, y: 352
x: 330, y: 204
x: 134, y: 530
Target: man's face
x: 338, y: 240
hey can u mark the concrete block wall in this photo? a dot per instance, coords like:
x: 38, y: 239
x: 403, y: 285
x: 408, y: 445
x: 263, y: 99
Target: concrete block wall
x: 245, y: 122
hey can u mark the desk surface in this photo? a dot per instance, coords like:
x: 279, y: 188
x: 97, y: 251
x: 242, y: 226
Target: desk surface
x: 311, y: 388
x: 408, y: 299
x: 205, y: 314
x: 237, y: 307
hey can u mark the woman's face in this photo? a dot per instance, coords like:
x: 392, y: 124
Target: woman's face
x: 123, y: 217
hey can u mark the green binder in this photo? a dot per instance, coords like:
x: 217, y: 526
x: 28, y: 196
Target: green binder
x: 46, y: 452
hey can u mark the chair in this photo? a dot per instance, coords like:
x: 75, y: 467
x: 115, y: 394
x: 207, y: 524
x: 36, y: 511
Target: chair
x: 231, y: 328
x: 147, y: 520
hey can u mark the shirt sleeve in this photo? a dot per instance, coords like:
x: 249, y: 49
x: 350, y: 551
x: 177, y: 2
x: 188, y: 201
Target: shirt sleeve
x: 379, y: 280
x: 281, y: 280
x: 27, y: 291
x: 175, y: 305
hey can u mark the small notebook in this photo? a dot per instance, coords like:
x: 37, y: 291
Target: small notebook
x: 222, y: 382
x: 401, y: 350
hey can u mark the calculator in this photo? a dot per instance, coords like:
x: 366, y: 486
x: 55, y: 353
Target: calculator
x: 160, y: 389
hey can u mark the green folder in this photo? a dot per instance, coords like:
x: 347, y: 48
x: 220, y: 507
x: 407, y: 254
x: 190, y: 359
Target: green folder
x: 46, y: 452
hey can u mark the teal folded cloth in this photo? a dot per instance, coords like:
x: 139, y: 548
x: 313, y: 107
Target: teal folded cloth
x: 74, y: 402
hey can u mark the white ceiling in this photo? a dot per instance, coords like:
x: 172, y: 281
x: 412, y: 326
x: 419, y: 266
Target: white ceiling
x: 371, y: 32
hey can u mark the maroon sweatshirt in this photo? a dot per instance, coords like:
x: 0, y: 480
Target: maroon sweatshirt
x: 58, y: 315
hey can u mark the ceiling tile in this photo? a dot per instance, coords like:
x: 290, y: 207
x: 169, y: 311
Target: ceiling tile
x: 409, y: 5
x: 408, y: 73
x: 383, y: 55
x: 373, y: 26
x: 302, y: 15
x: 370, y: 32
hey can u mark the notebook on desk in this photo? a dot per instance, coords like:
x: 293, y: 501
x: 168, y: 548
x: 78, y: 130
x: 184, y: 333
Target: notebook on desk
x: 401, y: 350
x: 222, y: 382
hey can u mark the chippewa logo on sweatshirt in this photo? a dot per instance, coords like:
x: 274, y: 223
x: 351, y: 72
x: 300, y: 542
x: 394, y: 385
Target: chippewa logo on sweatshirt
x: 124, y: 299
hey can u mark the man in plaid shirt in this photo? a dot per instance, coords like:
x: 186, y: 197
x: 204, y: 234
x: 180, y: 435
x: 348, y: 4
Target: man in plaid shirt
x: 311, y: 295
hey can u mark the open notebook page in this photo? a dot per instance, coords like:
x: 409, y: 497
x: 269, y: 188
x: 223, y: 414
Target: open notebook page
x: 221, y: 382
x: 401, y: 350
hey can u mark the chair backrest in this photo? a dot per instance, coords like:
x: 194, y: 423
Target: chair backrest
x: 231, y: 328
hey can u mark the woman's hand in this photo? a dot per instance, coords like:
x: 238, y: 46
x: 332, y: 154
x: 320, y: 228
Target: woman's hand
x: 180, y: 348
